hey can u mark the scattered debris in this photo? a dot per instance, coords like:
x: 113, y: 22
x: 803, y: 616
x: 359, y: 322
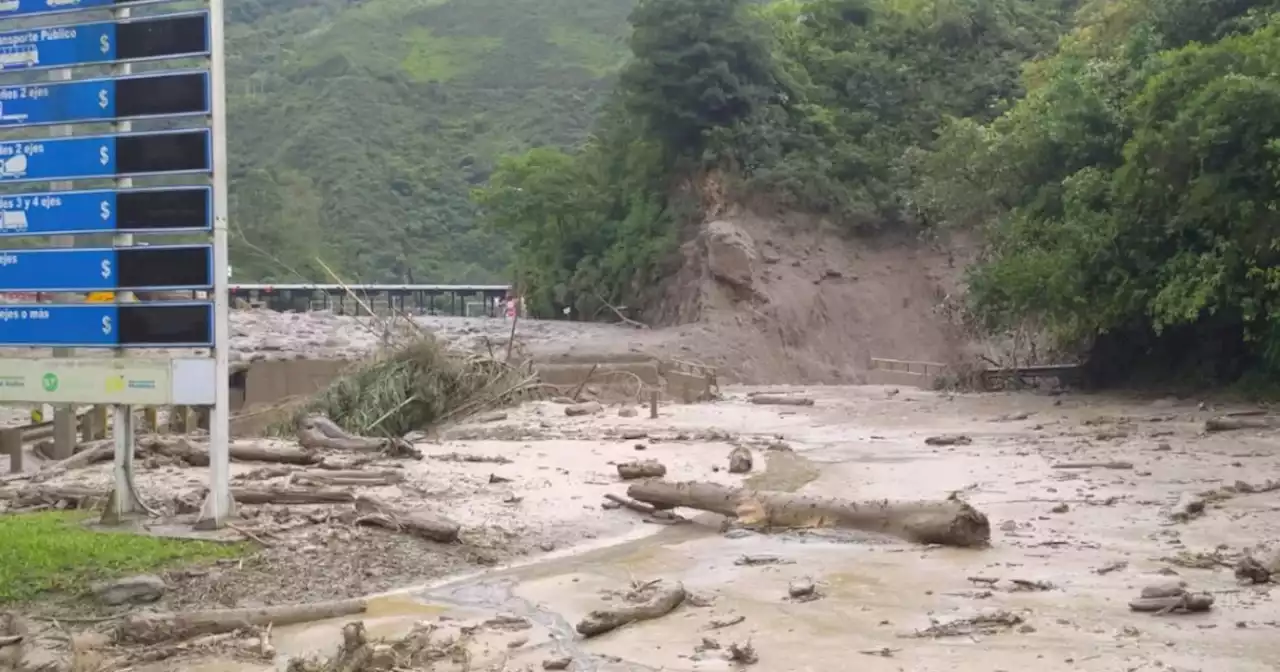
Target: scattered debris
x: 156, y: 627
x: 743, y: 654
x: 646, y: 602
x: 1111, y: 567
x: 740, y: 460
x: 777, y: 400
x: 1188, y: 508
x: 130, y: 590
x: 982, y: 623
x: 760, y: 560
x: 641, y: 469
x: 587, y: 408
x: 803, y: 590
x: 470, y: 458
x: 948, y: 440
x: 1228, y: 424
x: 883, y: 652
x: 1094, y: 465
x: 718, y: 624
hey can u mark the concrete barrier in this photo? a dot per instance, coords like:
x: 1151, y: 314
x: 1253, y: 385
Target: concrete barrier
x: 905, y: 372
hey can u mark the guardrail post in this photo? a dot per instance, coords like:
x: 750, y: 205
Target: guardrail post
x: 11, y: 443
x: 88, y: 430
x: 99, y: 422
x: 149, y: 416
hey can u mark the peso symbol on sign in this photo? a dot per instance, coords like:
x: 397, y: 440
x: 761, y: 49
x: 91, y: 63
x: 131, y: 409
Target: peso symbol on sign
x: 106, y: 324
x: 103, y: 155
x: 104, y: 44
x: 102, y: 98
x: 105, y: 210
x: 106, y: 268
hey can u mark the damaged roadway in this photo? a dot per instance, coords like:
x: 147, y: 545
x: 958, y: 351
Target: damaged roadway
x: 1073, y: 550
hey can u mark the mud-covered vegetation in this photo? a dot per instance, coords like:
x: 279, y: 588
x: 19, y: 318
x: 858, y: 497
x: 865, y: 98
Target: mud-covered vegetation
x: 1119, y: 157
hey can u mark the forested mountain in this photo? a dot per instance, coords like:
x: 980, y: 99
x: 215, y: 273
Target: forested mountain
x: 358, y: 128
x: 1120, y: 159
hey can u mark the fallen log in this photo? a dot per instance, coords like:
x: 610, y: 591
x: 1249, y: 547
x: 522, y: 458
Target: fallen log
x: 1094, y: 465
x: 1228, y: 424
x: 63, y: 497
x: 366, y: 479
x: 320, y: 433
x: 282, y: 495
x: 649, y: 602
x: 951, y: 522
x: 1178, y: 604
x: 154, y: 628
x: 776, y: 400
x: 371, y: 511
x: 197, y: 455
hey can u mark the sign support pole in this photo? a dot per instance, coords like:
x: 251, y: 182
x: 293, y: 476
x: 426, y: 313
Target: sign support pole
x: 64, y: 416
x: 124, y: 501
x: 219, y: 506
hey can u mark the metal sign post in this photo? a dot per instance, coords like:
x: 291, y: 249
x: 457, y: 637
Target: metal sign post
x: 198, y: 379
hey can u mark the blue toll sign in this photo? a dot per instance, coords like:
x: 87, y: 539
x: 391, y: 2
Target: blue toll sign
x: 106, y: 156
x: 104, y: 99
x: 107, y: 325
x: 107, y: 211
x: 106, y: 269
x: 106, y: 42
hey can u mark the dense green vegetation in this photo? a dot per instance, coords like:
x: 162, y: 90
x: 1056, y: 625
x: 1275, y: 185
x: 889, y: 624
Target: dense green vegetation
x: 359, y: 128
x: 815, y: 104
x: 1120, y: 157
x: 1134, y: 190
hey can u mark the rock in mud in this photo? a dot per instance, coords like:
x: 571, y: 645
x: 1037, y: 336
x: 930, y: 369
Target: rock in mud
x: 802, y: 591
x: 589, y: 408
x: 627, y: 412
x: 948, y: 440
x: 1164, y: 589
x: 740, y: 460
x: 561, y: 663
x: 131, y: 590
x: 731, y: 253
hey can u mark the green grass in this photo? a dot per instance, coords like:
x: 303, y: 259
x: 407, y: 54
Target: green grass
x: 51, y: 552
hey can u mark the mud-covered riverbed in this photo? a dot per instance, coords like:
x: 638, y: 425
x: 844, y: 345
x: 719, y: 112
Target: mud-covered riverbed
x: 1072, y: 543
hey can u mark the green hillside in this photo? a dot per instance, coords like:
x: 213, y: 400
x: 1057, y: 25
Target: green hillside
x: 358, y: 129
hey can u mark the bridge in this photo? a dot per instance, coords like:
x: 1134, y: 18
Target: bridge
x: 413, y: 299
x: 467, y: 300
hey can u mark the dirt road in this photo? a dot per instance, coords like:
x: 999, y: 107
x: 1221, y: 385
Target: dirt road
x: 1071, y: 546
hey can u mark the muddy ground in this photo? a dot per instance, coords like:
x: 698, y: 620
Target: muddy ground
x: 539, y: 545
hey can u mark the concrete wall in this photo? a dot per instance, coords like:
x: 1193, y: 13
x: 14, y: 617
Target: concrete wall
x: 260, y: 385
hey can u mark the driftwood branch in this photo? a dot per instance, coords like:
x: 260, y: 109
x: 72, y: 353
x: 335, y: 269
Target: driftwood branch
x: 371, y: 511
x: 317, y: 432
x: 649, y: 602
x: 152, y: 628
x: 950, y: 522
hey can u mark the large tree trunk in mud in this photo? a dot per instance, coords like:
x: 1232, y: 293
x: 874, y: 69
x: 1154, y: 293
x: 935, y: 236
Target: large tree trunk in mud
x: 282, y: 495
x: 153, y: 628
x: 198, y: 455
x: 950, y: 522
